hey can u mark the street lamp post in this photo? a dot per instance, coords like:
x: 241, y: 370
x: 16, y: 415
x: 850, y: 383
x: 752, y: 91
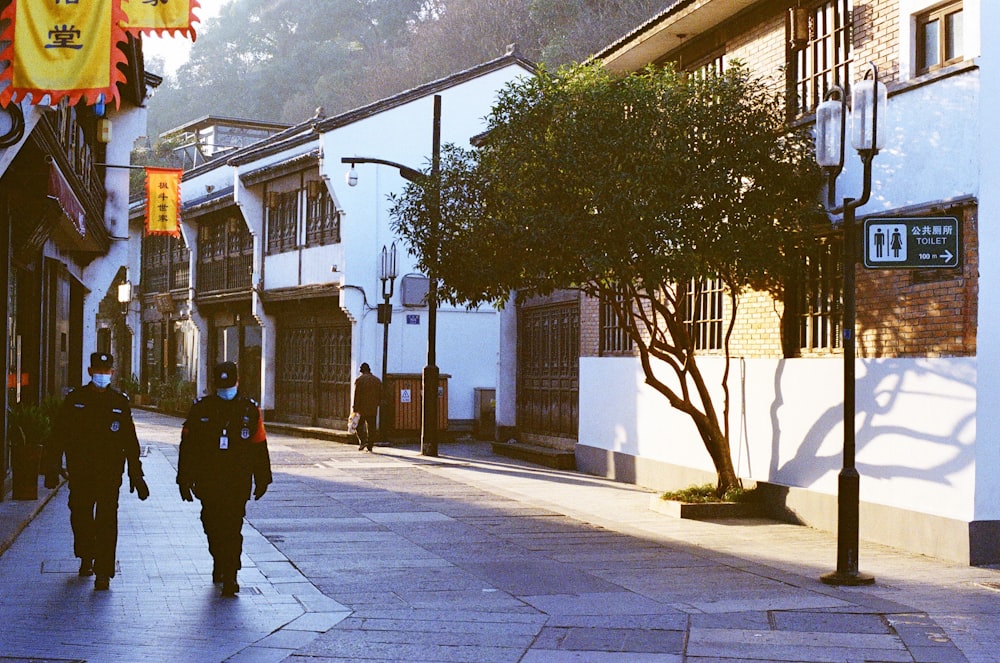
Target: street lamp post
x: 867, y: 136
x: 386, y: 274
x: 428, y: 424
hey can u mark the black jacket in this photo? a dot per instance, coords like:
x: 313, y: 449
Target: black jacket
x: 223, y: 447
x: 94, y: 429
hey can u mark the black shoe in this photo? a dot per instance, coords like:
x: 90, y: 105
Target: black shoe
x: 86, y: 568
x: 230, y: 588
x: 101, y: 583
x: 361, y: 447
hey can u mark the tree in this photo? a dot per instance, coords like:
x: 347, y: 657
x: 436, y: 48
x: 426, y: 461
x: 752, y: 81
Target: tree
x: 629, y: 189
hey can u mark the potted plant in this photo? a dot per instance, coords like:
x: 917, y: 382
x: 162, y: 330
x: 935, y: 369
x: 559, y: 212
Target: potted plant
x: 131, y: 387
x: 28, y: 428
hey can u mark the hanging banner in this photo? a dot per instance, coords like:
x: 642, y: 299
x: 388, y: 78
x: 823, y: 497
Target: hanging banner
x: 163, y: 201
x: 175, y: 17
x: 62, y: 49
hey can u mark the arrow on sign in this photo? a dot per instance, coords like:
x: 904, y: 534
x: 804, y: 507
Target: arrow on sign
x: 947, y: 255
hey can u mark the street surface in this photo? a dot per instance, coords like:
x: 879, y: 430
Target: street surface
x: 393, y: 556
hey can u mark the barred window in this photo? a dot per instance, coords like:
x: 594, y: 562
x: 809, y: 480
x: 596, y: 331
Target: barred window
x: 713, y: 65
x: 322, y: 220
x: 703, y: 313
x: 282, y: 220
x: 819, y: 295
x: 614, y: 337
x: 826, y: 58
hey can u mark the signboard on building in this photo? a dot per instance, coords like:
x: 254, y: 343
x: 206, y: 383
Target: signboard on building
x: 912, y: 242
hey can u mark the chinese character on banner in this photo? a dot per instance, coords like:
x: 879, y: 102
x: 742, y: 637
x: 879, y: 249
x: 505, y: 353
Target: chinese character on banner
x: 62, y: 49
x: 174, y: 17
x: 163, y: 201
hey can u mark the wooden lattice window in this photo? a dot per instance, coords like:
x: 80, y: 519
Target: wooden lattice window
x: 322, y: 221
x: 283, y: 221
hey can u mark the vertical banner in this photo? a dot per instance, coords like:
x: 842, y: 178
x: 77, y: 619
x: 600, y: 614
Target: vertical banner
x: 175, y: 17
x: 62, y: 49
x: 163, y: 201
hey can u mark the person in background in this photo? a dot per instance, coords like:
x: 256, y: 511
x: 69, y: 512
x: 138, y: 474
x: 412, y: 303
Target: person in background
x: 223, y: 454
x: 95, y: 431
x: 367, y: 397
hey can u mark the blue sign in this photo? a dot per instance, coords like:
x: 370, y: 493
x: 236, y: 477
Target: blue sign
x: 413, y: 318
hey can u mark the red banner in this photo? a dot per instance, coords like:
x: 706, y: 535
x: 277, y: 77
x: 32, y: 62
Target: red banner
x: 62, y: 49
x: 175, y: 17
x: 163, y: 201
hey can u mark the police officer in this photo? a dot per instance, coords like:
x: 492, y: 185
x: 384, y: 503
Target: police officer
x: 224, y: 447
x: 95, y: 431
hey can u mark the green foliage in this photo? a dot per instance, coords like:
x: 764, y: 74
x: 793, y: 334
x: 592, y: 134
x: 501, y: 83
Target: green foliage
x: 173, y: 394
x: 131, y: 385
x: 627, y: 188
x: 708, y: 493
x: 32, y: 424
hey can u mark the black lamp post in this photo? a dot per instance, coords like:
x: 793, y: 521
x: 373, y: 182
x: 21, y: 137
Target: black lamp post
x: 428, y: 424
x: 869, y: 103
x: 386, y: 274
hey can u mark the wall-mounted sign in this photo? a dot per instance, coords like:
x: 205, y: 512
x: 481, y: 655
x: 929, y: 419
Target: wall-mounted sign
x: 413, y: 318
x: 912, y: 243
x: 404, y: 396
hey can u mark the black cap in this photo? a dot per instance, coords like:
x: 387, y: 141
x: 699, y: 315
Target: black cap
x: 101, y: 361
x: 225, y: 374
x: 365, y: 368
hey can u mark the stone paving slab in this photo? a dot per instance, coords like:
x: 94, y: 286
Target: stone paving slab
x: 393, y: 556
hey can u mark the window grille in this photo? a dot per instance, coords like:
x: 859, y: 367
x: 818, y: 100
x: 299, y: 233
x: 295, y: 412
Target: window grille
x: 826, y: 59
x: 283, y: 222
x: 703, y: 313
x: 820, y: 291
x: 614, y: 337
x: 322, y: 221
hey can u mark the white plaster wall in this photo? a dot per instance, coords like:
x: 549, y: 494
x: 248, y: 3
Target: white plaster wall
x: 467, y: 342
x: 988, y: 153
x: 916, y: 425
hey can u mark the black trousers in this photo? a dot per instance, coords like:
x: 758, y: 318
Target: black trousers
x: 222, y: 518
x: 366, y: 430
x: 93, y: 515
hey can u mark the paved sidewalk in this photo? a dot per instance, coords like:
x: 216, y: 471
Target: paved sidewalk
x: 394, y: 556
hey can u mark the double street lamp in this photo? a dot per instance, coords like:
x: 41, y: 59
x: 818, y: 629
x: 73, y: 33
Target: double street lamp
x: 429, y: 420
x: 868, y: 107
x: 387, y: 275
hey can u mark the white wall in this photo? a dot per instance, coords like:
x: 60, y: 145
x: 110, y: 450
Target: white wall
x: 915, y: 437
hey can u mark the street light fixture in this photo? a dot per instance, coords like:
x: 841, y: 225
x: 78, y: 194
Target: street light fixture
x: 387, y: 274
x: 867, y: 137
x: 429, y: 420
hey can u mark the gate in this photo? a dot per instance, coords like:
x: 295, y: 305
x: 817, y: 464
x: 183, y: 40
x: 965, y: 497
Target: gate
x: 313, y: 383
x: 548, y: 370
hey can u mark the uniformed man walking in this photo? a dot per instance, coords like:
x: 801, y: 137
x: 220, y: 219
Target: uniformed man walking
x: 223, y: 453
x: 95, y: 431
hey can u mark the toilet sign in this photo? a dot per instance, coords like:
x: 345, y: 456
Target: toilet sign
x: 912, y: 242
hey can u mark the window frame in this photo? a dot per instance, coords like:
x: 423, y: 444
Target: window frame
x: 819, y: 298
x: 614, y: 338
x: 940, y: 15
x: 704, y: 313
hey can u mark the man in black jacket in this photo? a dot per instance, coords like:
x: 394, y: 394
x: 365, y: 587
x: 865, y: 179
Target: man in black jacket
x: 94, y: 429
x: 223, y: 454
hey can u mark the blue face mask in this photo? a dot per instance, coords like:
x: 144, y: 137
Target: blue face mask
x: 101, y: 380
x: 226, y: 393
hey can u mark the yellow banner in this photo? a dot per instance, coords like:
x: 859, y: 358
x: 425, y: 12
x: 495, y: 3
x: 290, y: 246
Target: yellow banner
x: 62, y: 48
x: 175, y: 17
x: 163, y: 201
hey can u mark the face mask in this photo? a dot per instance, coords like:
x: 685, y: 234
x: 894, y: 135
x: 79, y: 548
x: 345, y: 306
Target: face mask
x: 226, y: 394
x: 101, y: 380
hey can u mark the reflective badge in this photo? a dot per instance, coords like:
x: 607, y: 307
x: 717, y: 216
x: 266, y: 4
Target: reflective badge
x: 114, y: 426
x: 245, y: 433
x: 224, y: 440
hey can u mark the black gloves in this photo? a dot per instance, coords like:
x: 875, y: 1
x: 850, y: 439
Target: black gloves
x: 185, y: 489
x: 259, y: 490
x: 138, y: 485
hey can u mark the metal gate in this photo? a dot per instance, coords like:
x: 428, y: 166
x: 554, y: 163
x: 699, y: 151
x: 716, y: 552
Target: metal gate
x: 548, y: 370
x: 313, y: 383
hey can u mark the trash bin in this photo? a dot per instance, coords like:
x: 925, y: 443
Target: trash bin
x: 485, y: 408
